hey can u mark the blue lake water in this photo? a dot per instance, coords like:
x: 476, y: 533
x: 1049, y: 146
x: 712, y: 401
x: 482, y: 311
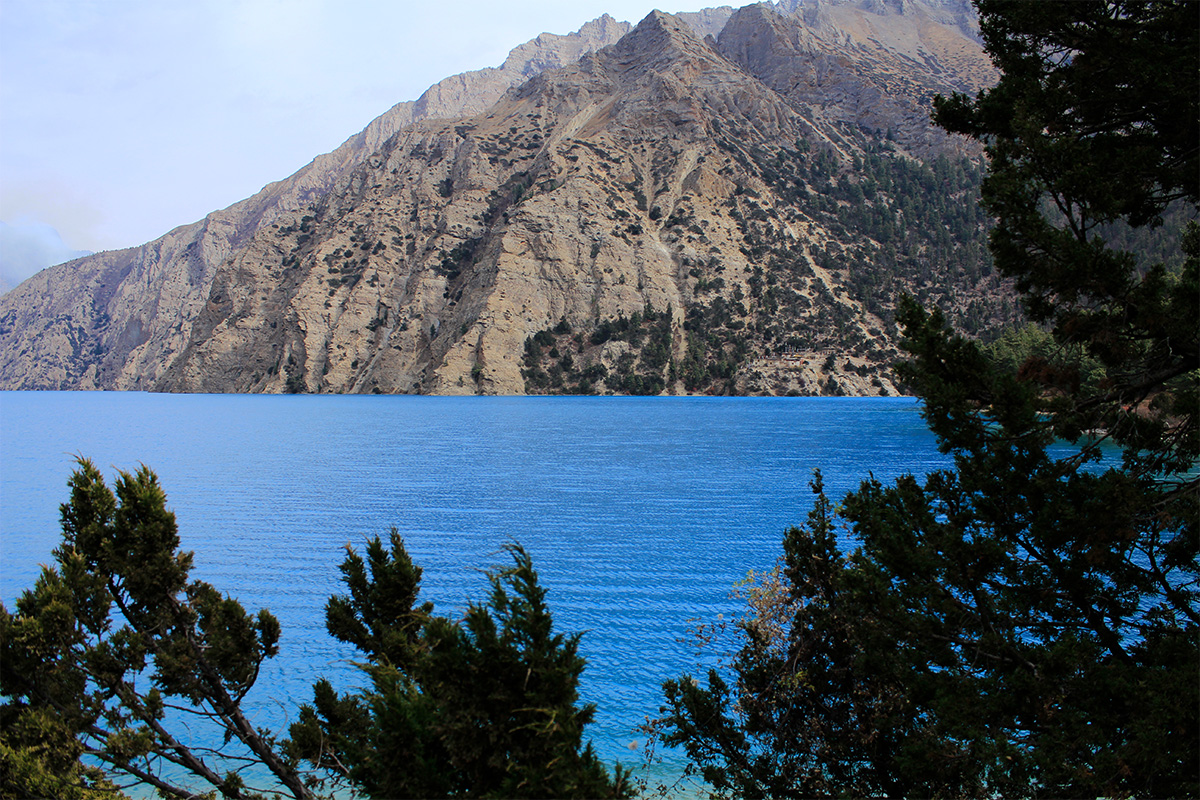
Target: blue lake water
x: 639, y: 513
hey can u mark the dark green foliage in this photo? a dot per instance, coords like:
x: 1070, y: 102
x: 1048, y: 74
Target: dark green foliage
x: 482, y: 707
x: 1033, y: 354
x: 715, y: 347
x: 39, y: 757
x: 902, y: 225
x: 974, y: 644
x: 620, y: 328
x: 644, y: 373
x: 103, y: 642
x: 378, y: 617
x: 645, y: 369
x: 1025, y: 623
x: 458, y: 259
x: 507, y: 196
x: 1078, y: 146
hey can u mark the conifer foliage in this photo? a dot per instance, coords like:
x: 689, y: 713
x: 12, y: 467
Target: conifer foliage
x: 1025, y: 623
x: 485, y: 706
x: 114, y: 638
x: 115, y: 655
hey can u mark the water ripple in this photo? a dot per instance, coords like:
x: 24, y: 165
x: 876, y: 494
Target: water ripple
x: 640, y: 513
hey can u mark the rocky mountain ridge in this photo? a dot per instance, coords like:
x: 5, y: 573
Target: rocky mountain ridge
x: 713, y: 202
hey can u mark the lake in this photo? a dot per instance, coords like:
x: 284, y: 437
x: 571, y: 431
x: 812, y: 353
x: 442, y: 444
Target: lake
x: 639, y: 513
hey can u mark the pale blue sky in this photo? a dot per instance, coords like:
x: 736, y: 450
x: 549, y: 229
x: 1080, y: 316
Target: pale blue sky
x: 121, y: 119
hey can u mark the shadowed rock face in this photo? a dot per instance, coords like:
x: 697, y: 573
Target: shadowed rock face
x: 620, y: 210
x: 875, y: 67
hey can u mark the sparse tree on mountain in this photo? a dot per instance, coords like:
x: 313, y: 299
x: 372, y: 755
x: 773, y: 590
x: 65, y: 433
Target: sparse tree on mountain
x: 1025, y: 623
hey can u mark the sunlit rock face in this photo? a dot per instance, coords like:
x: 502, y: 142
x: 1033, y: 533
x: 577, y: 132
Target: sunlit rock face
x: 722, y: 202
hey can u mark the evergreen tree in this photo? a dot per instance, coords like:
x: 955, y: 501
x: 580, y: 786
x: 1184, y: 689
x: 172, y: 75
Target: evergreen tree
x: 482, y: 707
x: 1093, y: 130
x: 106, y: 642
x: 1025, y: 623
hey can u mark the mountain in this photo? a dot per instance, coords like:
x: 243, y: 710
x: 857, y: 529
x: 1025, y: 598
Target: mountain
x: 721, y: 202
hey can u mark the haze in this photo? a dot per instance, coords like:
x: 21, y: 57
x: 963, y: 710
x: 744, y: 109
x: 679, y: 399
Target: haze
x: 122, y: 119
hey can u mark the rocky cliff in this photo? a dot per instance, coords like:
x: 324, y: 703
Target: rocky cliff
x: 114, y: 320
x: 713, y: 202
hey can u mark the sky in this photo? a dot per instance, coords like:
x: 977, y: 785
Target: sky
x: 122, y: 119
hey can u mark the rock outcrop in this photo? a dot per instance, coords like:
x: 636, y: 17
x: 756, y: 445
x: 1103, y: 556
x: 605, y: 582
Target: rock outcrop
x: 875, y: 66
x: 664, y: 209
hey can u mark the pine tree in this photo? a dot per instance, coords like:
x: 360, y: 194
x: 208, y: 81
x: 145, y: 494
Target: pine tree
x: 114, y: 635
x: 482, y: 707
x: 1025, y: 623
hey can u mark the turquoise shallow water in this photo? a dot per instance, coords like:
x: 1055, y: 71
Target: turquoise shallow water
x: 639, y: 513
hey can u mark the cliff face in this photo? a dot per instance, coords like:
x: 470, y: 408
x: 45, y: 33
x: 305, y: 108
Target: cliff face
x: 672, y: 212
x: 115, y: 320
x: 874, y: 66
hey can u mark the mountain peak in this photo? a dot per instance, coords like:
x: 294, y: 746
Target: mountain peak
x: 658, y: 28
x: 768, y: 46
x: 662, y: 211
x: 602, y: 27
x: 662, y: 43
